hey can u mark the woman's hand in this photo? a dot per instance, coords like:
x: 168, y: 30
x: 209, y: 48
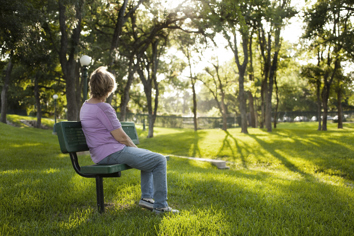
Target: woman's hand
x: 122, y: 137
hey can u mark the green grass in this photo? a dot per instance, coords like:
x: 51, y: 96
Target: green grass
x: 293, y: 181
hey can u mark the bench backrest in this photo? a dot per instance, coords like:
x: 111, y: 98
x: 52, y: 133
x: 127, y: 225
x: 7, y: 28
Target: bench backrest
x: 72, y: 139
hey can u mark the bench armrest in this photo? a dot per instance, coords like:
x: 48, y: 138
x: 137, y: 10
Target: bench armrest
x: 130, y: 130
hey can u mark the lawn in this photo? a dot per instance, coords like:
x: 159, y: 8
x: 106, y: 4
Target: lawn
x: 293, y: 181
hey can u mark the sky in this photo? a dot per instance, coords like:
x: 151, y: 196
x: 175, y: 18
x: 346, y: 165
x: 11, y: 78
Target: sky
x: 293, y: 31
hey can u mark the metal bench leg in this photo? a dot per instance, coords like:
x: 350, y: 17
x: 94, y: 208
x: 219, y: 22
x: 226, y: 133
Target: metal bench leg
x: 99, y: 193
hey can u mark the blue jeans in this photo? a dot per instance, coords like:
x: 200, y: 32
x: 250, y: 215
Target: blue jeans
x: 153, y: 171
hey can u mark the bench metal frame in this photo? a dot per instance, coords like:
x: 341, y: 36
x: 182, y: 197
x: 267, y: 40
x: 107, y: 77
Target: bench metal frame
x: 72, y: 140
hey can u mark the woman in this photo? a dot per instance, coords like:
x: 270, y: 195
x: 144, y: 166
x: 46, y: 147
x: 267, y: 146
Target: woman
x: 109, y: 144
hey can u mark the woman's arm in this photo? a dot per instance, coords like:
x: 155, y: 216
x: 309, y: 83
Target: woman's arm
x: 122, y: 137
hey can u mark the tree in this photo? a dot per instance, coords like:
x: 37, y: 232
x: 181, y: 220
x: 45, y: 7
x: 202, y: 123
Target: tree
x: 342, y: 81
x: 68, y: 54
x: 230, y: 18
x: 133, y: 51
x: 64, y: 35
x: 186, y: 43
x: 150, y: 41
x: 217, y: 82
x: 5, y: 87
x: 150, y: 63
x: 313, y: 73
x: 238, y: 21
x: 269, y: 28
x: 122, y: 18
x: 15, y: 15
x: 328, y: 27
x: 124, y: 13
x: 40, y: 62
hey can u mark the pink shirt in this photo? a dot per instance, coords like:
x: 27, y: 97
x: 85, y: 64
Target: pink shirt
x: 98, y: 120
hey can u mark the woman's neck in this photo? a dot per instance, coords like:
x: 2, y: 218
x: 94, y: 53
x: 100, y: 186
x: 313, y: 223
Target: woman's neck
x: 96, y: 100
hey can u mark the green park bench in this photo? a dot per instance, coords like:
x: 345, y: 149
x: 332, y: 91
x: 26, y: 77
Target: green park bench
x: 72, y: 140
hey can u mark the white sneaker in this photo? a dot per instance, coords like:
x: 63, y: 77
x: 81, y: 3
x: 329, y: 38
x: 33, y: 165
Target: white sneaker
x: 165, y: 210
x: 147, y: 203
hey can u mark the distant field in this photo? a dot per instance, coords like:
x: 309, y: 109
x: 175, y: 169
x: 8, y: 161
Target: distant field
x: 294, y: 146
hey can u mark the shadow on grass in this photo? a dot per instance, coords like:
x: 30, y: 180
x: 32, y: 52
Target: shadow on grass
x: 256, y: 203
x: 312, y: 150
x: 227, y: 144
x: 183, y: 142
x: 290, y: 166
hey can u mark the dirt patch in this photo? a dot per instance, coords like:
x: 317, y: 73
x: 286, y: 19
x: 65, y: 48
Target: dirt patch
x: 12, y: 124
x: 33, y: 123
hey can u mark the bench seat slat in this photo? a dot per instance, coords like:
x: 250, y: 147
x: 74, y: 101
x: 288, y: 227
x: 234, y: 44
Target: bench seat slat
x: 104, y: 169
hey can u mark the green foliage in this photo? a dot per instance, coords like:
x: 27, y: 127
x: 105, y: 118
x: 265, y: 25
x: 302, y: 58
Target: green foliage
x: 295, y: 181
x: 14, y: 16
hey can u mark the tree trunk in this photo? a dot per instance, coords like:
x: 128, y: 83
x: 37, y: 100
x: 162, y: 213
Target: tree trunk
x: 148, y: 82
x: 194, y: 105
x: 193, y: 80
x: 263, y: 93
x: 157, y: 93
x: 265, y: 74
x: 73, y: 111
x: 151, y: 126
x: 256, y: 112
x: 326, y: 91
x: 241, y: 70
x: 5, y: 89
x: 150, y: 113
x: 268, y: 119
x: 79, y: 89
x: 147, y: 90
x: 38, y: 103
x: 325, y: 100
x: 155, y: 65
x: 318, y: 94
x: 272, y: 74
x: 277, y: 102
x: 319, y: 104
x: 325, y: 95
x: 224, y: 114
x: 223, y: 107
x: 125, y: 96
x: 242, y: 100
x: 252, y: 111
x: 340, y: 112
x: 67, y: 57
